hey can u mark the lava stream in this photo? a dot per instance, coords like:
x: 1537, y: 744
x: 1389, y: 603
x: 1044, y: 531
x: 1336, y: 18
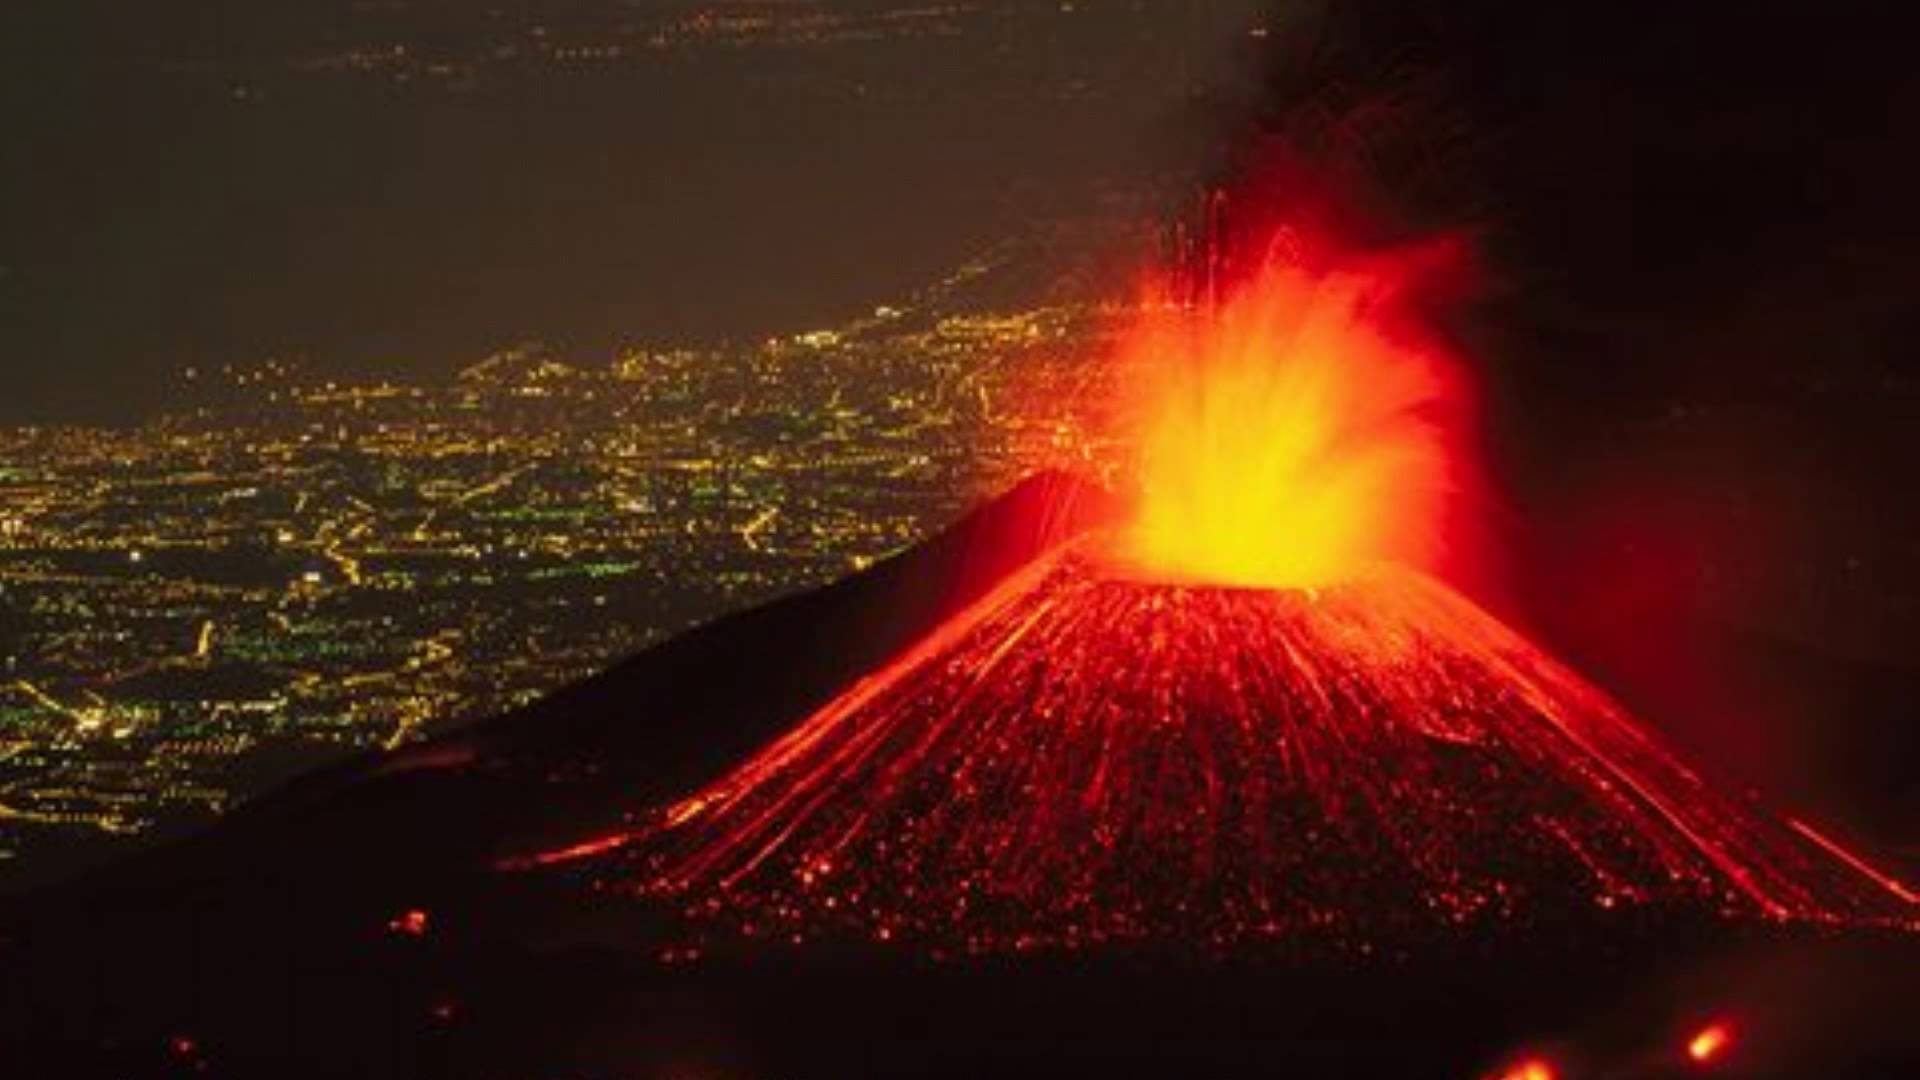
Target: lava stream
x: 1085, y: 756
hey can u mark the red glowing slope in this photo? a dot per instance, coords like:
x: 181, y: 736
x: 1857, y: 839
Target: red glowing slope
x: 1083, y: 758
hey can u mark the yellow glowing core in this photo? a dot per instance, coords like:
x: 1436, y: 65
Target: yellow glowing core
x: 1290, y: 436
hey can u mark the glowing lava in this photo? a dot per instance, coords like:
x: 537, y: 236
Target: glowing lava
x: 1530, y: 1069
x: 1084, y: 758
x: 1306, y: 428
x: 1710, y: 1043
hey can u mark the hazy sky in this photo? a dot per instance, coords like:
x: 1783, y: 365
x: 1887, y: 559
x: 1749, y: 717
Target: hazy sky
x: 215, y: 182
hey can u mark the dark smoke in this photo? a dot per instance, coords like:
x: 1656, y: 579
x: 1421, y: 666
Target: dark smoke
x: 1695, y: 332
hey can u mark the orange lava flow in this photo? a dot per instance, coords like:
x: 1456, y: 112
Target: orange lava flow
x: 1300, y: 431
x: 1084, y: 757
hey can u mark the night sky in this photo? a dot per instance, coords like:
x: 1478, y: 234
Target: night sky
x: 187, y: 190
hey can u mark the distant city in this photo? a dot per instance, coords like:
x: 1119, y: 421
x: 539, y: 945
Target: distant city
x: 433, y: 371
x: 463, y: 48
x: 288, y: 569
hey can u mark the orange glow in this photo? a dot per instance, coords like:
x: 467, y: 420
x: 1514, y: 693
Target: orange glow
x: 1530, y: 1069
x: 410, y: 923
x: 1710, y: 1043
x: 1294, y: 434
x: 586, y: 849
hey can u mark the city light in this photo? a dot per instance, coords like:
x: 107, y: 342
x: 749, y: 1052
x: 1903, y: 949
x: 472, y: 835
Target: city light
x: 337, y: 553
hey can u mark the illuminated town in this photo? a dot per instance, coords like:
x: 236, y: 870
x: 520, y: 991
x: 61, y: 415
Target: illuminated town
x: 208, y: 602
x: 275, y: 541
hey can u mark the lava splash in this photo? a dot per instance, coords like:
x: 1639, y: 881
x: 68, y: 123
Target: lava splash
x: 1304, y: 426
x: 1087, y: 757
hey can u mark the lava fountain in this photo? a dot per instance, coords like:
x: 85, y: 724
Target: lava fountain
x: 1305, y: 426
x: 1251, y: 712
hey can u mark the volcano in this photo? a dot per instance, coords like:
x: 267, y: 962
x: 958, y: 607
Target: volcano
x: 1084, y: 756
x: 1233, y: 723
x: 1243, y: 711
